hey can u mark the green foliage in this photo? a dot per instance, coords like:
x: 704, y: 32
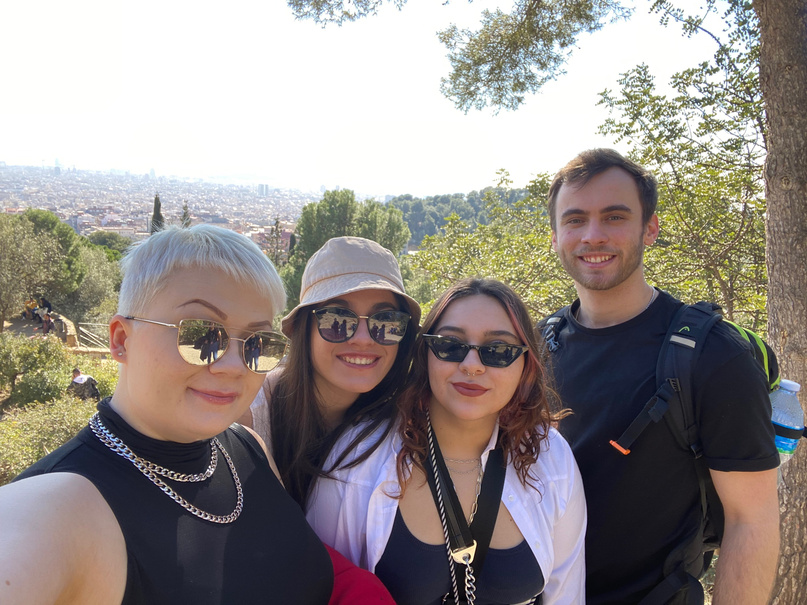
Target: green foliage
x: 706, y: 145
x: 514, y: 247
x: 512, y: 53
x: 157, y: 220
x: 185, y: 220
x: 66, y: 270
x: 425, y: 216
x: 29, y: 433
x: 25, y: 263
x: 516, y: 53
x: 111, y: 240
x: 98, y: 289
x: 40, y: 369
x: 336, y: 215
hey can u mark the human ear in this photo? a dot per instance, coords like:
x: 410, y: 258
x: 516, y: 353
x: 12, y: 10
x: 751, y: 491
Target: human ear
x: 119, y: 328
x: 651, y: 231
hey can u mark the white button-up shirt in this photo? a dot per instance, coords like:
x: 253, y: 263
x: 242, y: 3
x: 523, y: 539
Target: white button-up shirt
x: 354, y: 509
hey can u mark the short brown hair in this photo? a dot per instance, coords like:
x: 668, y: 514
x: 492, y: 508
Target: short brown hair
x: 592, y: 162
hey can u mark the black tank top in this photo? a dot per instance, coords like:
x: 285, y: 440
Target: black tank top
x: 268, y: 555
x: 510, y: 575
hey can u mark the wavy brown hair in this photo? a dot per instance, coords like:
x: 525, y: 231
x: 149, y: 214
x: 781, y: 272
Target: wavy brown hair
x: 523, y: 423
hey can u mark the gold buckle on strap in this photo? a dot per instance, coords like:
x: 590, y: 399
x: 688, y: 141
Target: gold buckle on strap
x: 460, y: 553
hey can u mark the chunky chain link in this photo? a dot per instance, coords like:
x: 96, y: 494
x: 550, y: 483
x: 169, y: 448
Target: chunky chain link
x: 153, y: 472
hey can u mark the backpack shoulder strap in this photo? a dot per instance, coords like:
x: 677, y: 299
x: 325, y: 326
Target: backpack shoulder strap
x: 550, y: 327
x: 680, y: 348
x: 676, y: 362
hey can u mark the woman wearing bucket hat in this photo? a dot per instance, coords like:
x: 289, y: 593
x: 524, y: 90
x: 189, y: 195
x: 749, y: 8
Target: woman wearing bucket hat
x: 351, y: 337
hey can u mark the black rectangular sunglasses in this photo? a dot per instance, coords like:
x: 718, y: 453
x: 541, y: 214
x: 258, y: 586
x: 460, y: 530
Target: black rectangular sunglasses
x: 494, y: 356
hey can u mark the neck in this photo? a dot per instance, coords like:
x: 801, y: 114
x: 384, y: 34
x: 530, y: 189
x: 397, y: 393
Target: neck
x: 333, y: 404
x: 605, y: 308
x: 462, y: 440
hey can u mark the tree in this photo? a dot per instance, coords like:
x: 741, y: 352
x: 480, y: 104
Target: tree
x: 99, y: 286
x: 157, y: 220
x: 66, y: 270
x: 338, y: 214
x: 24, y: 264
x: 706, y: 146
x: 111, y: 240
x: 783, y: 77
x: 185, y: 221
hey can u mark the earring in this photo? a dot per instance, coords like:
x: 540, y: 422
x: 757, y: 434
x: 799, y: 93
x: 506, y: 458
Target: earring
x: 120, y: 354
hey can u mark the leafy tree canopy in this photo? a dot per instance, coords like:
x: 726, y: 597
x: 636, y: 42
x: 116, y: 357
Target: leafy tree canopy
x: 111, y: 240
x: 338, y: 214
x: 67, y: 270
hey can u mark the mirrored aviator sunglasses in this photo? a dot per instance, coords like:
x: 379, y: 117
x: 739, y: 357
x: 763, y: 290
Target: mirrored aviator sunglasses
x: 337, y: 324
x: 494, y: 356
x: 203, y: 342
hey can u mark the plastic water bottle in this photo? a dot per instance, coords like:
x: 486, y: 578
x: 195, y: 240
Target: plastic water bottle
x: 787, y: 414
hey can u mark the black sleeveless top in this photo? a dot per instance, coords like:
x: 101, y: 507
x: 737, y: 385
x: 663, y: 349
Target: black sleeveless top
x: 510, y: 575
x: 268, y: 555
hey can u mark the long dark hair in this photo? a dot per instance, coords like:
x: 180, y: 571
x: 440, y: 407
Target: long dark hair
x: 523, y: 423
x: 300, y: 439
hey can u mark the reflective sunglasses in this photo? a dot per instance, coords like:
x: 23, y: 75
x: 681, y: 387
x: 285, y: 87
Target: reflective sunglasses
x: 494, y: 356
x: 202, y: 342
x: 337, y: 324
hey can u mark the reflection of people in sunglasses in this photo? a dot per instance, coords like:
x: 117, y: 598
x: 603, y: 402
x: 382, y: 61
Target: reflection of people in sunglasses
x: 159, y: 499
x: 339, y: 367
x: 477, y: 401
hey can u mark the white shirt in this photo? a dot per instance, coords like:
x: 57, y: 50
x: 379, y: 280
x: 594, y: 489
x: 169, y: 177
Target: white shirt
x: 353, y: 511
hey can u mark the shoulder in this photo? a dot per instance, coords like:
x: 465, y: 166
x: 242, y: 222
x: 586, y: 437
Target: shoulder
x: 59, y: 522
x: 556, y: 461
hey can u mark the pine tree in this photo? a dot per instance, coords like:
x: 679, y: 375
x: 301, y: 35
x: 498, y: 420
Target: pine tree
x: 157, y: 220
x: 186, y: 215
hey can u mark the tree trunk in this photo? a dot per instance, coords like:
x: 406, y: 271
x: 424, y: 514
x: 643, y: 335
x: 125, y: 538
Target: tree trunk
x: 783, y: 77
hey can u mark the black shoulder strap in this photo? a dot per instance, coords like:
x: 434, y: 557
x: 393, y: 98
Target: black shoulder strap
x: 673, y: 397
x: 676, y: 364
x: 551, y: 326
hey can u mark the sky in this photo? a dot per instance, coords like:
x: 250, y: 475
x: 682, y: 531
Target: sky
x: 243, y: 92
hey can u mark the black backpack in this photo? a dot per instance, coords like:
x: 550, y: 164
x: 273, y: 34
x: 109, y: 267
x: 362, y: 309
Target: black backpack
x: 673, y: 401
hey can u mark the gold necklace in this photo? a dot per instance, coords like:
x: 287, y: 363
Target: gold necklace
x: 153, y: 471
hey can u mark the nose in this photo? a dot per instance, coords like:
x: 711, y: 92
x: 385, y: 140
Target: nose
x: 472, y: 364
x: 232, y: 361
x: 362, y: 334
x: 593, y: 233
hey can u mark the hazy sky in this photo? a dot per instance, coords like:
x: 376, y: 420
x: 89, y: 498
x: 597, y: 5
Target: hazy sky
x: 206, y: 89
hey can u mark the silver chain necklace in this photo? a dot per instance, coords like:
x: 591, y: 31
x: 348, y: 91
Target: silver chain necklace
x: 153, y: 472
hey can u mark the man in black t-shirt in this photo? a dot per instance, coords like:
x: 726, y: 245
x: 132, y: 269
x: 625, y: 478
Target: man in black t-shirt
x: 644, y: 505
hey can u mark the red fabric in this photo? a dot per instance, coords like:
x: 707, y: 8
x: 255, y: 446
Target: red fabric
x: 355, y: 586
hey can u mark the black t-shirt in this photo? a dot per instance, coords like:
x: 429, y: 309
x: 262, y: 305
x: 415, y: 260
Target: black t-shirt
x: 268, y: 555
x: 641, y: 506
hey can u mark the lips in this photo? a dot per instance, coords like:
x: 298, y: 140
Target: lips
x: 469, y: 389
x: 216, y: 397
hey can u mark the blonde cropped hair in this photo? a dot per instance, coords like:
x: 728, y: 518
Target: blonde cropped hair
x: 148, y: 265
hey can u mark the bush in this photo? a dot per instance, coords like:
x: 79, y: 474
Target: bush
x: 28, y: 433
x: 40, y: 369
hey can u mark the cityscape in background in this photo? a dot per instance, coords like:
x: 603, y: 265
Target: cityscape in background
x: 121, y: 202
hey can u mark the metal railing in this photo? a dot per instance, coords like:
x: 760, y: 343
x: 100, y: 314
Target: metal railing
x: 93, y: 335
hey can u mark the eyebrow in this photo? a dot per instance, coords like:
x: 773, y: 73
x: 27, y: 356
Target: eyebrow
x: 488, y: 334
x: 204, y: 303
x: 606, y: 210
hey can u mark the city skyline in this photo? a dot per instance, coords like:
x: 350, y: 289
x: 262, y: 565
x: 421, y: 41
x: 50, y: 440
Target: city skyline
x: 253, y: 96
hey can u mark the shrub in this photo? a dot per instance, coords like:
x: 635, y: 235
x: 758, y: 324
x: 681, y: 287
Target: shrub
x: 28, y: 433
x: 40, y: 369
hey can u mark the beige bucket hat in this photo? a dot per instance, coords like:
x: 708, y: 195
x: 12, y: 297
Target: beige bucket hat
x: 347, y: 264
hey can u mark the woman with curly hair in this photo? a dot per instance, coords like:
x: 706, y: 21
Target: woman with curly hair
x: 475, y: 494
